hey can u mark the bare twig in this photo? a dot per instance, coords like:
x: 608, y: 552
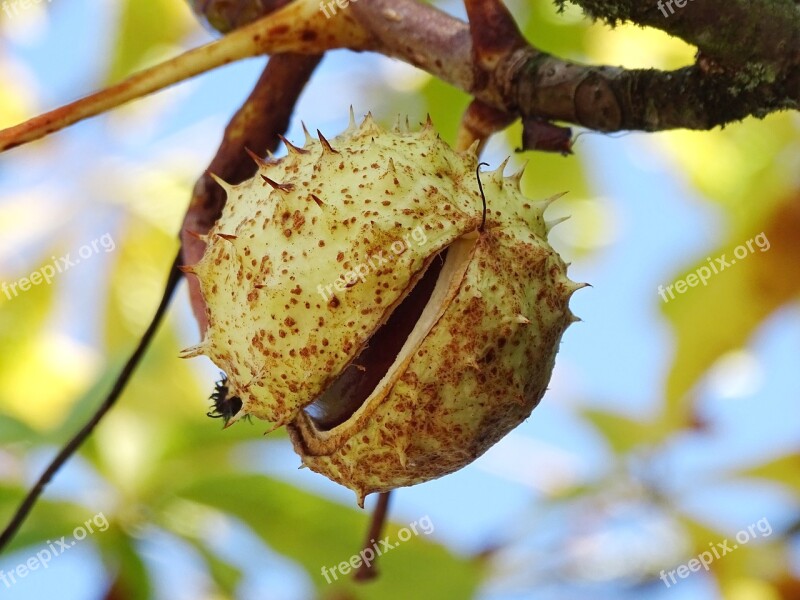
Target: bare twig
x: 478, y: 123
x: 368, y: 571
x: 298, y: 27
x: 119, y: 385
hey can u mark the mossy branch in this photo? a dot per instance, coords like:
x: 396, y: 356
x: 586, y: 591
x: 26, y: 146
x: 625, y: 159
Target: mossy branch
x: 733, y: 33
x: 497, y: 66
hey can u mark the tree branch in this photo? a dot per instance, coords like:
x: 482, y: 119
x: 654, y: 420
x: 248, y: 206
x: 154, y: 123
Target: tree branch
x: 731, y: 32
x: 532, y: 83
x: 478, y: 124
x: 514, y: 77
x: 614, y: 99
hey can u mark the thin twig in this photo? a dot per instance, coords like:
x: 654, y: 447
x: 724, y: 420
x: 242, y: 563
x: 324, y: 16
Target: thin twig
x: 479, y: 122
x: 119, y: 385
x: 367, y: 571
x: 275, y: 33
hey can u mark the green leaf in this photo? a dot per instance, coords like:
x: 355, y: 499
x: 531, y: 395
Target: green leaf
x: 622, y: 433
x: 131, y: 579
x: 225, y: 575
x: 22, y: 317
x: 319, y: 533
x: 14, y: 431
x: 49, y: 520
x: 784, y: 470
x: 145, y: 29
x: 445, y: 104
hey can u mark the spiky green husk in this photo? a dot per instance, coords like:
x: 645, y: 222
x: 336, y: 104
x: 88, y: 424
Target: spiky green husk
x: 481, y: 371
x: 330, y: 207
x: 481, y: 367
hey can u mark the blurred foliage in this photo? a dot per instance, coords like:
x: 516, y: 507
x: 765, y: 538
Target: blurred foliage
x: 741, y: 298
x: 147, y: 32
x: 158, y: 464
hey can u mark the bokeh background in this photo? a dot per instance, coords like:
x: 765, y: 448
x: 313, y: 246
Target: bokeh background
x: 668, y: 427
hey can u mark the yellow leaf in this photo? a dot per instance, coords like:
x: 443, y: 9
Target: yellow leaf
x: 147, y: 30
x: 784, y: 470
x: 712, y: 319
x: 46, y: 377
x: 622, y: 433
